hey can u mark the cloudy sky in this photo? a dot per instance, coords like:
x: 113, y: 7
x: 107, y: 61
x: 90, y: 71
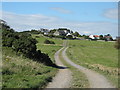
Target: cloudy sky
x: 84, y: 17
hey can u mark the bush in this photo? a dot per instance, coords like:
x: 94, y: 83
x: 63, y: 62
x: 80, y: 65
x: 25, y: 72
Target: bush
x: 117, y: 44
x: 43, y: 58
x: 69, y: 37
x: 7, y: 37
x: 23, y: 43
x: 48, y: 42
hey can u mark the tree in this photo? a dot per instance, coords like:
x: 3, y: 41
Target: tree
x: 48, y: 42
x: 69, y: 37
x: 101, y: 37
x: 52, y: 31
x: 76, y: 34
x: 86, y: 37
x: 7, y: 35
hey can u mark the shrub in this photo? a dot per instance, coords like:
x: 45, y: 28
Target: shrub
x: 43, y: 58
x: 23, y: 43
x: 69, y: 37
x: 48, y: 42
x: 7, y: 37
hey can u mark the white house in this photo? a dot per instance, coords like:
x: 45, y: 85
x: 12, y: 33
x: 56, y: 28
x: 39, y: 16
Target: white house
x: 92, y: 37
x: 59, y: 32
x: 68, y: 34
x: 2, y: 22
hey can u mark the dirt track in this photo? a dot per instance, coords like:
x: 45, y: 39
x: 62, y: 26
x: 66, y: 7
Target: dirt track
x: 64, y: 75
x: 96, y: 80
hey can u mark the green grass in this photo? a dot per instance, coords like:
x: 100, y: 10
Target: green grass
x: 95, y: 55
x: 49, y: 49
x: 79, y: 80
x: 40, y: 38
x: 21, y: 72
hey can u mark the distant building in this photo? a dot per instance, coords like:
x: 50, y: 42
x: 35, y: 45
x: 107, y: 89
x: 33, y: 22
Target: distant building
x: 91, y: 37
x: 68, y: 34
x: 94, y: 37
x: 59, y: 33
x: 2, y: 22
x: 44, y: 31
x: 108, y: 38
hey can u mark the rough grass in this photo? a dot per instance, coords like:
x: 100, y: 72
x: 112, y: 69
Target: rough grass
x: 20, y: 72
x: 79, y: 80
x: 99, y: 56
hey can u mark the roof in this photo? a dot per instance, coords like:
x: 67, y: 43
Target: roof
x: 96, y: 35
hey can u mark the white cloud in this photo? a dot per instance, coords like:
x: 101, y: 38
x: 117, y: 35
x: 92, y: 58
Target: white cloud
x: 61, y: 10
x: 22, y: 22
x: 111, y: 13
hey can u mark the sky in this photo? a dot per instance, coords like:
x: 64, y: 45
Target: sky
x: 85, y: 17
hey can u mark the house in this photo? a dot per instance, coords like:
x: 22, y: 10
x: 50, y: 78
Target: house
x: 91, y: 37
x: 108, y: 38
x: 59, y: 33
x: 94, y: 37
x: 44, y: 31
x: 2, y: 22
x: 68, y: 34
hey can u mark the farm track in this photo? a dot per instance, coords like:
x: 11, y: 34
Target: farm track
x: 64, y: 75
x: 95, y: 79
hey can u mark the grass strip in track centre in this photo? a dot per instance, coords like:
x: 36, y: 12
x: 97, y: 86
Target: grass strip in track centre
x: 79, y: 80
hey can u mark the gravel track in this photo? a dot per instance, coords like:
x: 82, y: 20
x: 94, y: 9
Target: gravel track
x: 63, y: 77
x: 96, y: 80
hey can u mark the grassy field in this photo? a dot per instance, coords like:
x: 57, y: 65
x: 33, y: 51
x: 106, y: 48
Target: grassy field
x: 96, y: 55
x: 49, y: 49
x: 20, y: 72
x: 79, y: 80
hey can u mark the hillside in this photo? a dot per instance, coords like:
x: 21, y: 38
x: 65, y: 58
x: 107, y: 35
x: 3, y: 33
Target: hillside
x: 21, y: 72
x: 24, y: 65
